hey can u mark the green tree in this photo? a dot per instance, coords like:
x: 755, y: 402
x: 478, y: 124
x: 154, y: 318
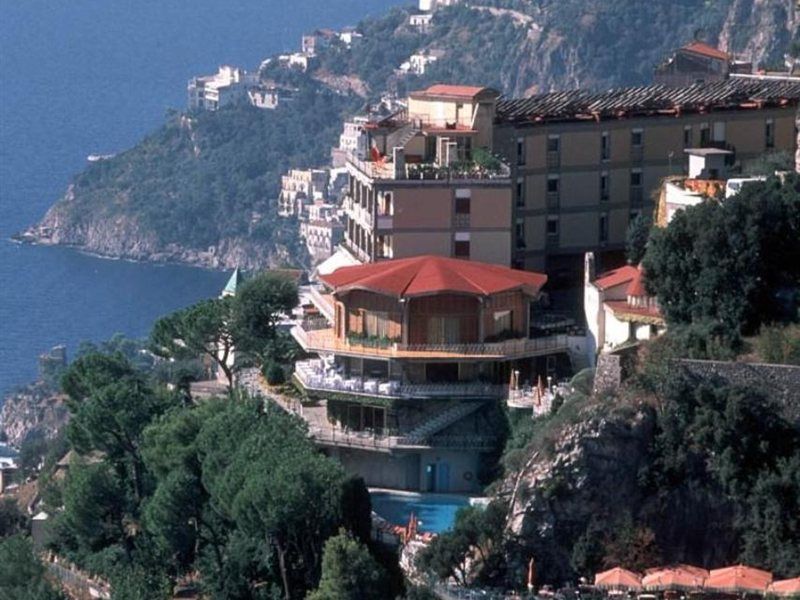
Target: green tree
x: 349, y: 572
x: 12, y: 519
x: 111, y: 404
x: 259, y: 305
x: 201, y: 330
x: 636, y: 238
x: 728, y: 264
x: 21, y: 574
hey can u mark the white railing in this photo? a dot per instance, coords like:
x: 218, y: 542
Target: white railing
x: 335, y: 436
x: 424, y: 172
x: 313, y: 375
x: 516, y: 346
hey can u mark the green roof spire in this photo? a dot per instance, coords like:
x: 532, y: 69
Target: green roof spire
x: 234, y: 282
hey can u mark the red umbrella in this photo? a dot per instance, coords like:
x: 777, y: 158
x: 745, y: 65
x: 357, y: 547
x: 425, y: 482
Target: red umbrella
x: 739, y: 578
x: 618, y: 578
x: 785, y: 587
x: 680, y: 577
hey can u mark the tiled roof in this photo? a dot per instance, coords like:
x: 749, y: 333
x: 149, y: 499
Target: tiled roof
x: 625, y: 312
x: 636, y: 286
x: 652, y: 100
x: 706, y: 50
x: 615, y: 277
x: 428, y: 275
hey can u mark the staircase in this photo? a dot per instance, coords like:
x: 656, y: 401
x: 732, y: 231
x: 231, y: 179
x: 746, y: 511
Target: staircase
x: 401, y: 137
x: 447, y: 417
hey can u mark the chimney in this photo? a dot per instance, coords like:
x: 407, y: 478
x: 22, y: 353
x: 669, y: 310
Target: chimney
x: 588, y: 267
x: 399, y: 161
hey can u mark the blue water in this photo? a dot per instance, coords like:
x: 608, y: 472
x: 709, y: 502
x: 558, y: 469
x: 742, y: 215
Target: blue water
x: 93, y: 76
x: 435, y: 512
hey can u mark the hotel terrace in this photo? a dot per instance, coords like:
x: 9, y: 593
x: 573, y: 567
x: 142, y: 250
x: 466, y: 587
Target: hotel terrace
x: 414, y: 356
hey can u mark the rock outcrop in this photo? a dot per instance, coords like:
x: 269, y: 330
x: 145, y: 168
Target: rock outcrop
x: 35, y: 410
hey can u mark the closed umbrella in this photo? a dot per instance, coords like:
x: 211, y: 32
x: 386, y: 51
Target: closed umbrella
x: 618, y: 578
x: 785, y: 587
x: 739, y: 578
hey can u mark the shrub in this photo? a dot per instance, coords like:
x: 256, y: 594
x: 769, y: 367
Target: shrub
x: 274, y: 373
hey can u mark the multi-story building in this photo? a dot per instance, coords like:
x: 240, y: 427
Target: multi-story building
x: 352, y: 141
x: 209, y: 92
x: 299, y: 189
x: 418, y: 63
x: 414, y: 355
x: 322, y: 237
x: 585, y: 164
x: 429, y: 183
x: 696, y: 62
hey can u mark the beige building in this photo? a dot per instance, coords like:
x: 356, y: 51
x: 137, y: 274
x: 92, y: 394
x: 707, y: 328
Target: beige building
x: 584, y: 164
x: 429, y: 184
x: 301, y: 188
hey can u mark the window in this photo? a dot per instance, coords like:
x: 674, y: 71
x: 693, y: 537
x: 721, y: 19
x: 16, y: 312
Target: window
x: 520, y: 193
x: 461, y: 249
x: 705, y: 135
x: 603, y: 233
x: 636, y: 177
x: 444, y: 330
x: 604, y: 190
x: 552, y: 226
x: 553, y: 143
x: 605, y: 146
x: 552, y: 184
x: 637, y: 137
x: 769, y: 133
x: 687, y: 136
x: 462, y: 206
x: 502, y: 321
x: 519, y: 233
x: 376, y: 324
x: 719, y: 131
x: 520, y: 151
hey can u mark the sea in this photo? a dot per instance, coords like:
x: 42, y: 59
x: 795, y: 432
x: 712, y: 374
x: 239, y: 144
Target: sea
x: 80, y: 77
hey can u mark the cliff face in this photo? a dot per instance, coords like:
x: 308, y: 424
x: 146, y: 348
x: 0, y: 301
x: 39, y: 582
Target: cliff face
x: 33, y: 410
x: 124, y: 236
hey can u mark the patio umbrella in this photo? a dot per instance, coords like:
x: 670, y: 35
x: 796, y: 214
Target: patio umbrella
x: 785, y: 587
x: 676, y: 577
x: 618, y: 578
x: 739, y: 578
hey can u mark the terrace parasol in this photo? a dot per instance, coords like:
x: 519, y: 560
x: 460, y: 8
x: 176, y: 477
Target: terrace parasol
x: 738, y: 578
x: 676, y: 577
x: 785, y: 587
x: 618, y: 578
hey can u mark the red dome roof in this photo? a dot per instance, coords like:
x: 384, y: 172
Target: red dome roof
x: 428, y: 275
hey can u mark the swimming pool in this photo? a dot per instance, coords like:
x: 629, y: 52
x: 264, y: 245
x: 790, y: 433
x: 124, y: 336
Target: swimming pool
x: 435, y: 512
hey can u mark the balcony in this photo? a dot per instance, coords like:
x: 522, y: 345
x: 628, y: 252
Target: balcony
x: 324, y: 340
x: 314, y: 375
x: 422, y: 173
x: 385, y: 222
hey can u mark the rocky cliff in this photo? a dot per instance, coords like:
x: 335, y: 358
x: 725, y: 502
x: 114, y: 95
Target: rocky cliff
x: 35, y: 410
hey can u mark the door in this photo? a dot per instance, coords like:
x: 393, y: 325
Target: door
x: 430, y: 477
x: 443, y: 477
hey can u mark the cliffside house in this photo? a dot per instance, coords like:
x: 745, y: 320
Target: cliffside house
x: 300, y: 188
x: 585, y: 164
x: 413, y: 356
x: 210, y: 92
x: 618, y: 308
x: 429, y: 184
x: 696, y: 62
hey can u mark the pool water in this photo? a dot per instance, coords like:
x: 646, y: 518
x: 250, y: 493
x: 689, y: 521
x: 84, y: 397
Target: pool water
x: 435, y: 512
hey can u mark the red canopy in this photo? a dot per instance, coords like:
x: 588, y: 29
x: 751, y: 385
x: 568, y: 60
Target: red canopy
x: 618, y: 578
x: 428, y: 275
x: 739, y: 578
x: 674, y: 577
x: 785, y: 587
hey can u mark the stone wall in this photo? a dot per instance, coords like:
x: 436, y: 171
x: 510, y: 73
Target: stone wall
x: 779, y: 382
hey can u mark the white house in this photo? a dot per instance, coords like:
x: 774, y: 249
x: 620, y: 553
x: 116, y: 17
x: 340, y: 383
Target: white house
x: 617, y: 308
x: 210, y: 92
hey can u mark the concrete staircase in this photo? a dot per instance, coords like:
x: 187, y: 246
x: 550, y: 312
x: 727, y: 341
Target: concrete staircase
x: 447, y: 417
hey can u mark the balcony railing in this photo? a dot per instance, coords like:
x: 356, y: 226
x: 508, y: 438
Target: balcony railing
x: 423, y: 172
x: 334, y: 436
x: 325, y: 340
x: 314, y: 375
